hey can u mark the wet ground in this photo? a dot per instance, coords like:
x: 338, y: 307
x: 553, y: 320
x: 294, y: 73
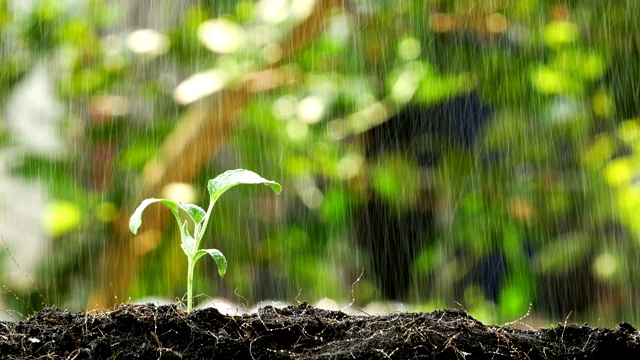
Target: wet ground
x: 297, y: 332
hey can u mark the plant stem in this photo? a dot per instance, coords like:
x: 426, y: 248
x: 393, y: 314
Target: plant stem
x: 190, y: 266
x: 199, y: 234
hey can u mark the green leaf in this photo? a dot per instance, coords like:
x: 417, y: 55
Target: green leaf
x: 189, y: 243
x: 231, y: 178
x: 196, y: 213
x: 221, y: 261
x: 562, y: 255
x: 136, y: 219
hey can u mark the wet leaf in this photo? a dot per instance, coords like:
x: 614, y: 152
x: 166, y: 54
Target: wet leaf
x: 231, y: 178
x: 189, y: 243
x: 196, y: 213
x: 136, y: 219
x: 221, y: 261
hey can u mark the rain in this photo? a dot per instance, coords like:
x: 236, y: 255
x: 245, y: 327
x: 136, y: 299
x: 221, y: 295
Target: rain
x: 475, y: 155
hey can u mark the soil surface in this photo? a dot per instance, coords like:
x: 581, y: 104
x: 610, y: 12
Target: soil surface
x: 297, y: 332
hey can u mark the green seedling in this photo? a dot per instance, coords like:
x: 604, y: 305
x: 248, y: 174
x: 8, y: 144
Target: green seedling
x: 190, y: 244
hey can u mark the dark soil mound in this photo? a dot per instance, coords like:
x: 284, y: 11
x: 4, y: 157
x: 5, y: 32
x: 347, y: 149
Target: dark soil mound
x: 153, y: 332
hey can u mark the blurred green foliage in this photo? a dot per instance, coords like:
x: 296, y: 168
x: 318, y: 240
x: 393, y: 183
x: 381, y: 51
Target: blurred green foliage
x: 548, y: 195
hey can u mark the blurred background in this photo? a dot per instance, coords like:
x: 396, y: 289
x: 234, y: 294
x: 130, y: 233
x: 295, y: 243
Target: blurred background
x: 455, y: 153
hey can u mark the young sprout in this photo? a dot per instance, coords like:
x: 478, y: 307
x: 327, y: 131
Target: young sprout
x: 190, y: 244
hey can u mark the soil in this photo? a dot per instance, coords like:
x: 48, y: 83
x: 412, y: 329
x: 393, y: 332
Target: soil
x: 298, y: 332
